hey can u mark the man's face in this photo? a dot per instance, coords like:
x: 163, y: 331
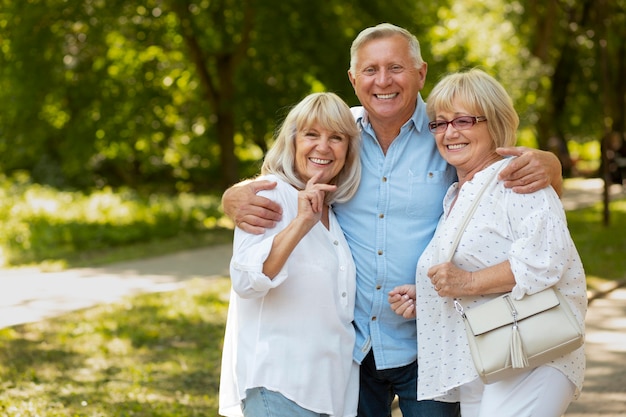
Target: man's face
x: 386, y: 81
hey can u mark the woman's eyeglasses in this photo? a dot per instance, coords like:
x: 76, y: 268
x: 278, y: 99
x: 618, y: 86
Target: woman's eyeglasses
x: 460, y: 123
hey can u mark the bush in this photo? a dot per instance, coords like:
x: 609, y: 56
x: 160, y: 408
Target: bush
x: 40, y: 222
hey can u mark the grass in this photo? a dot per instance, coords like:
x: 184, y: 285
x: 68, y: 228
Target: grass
x: 602, y: 249
x: 182, y: 241
x: 158, y: 355
x: 154, y: 355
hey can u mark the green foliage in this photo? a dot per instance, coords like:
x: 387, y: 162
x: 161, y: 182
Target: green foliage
x: 183, y: 95
x: 601, y: 249
x: 561, y: 61
x: 154, y: 355
x: 41, y: 223
x: 586, y: 155
x: 165, y: 94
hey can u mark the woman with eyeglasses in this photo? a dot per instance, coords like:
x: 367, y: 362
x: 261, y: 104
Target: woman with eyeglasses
x: 471, y: 115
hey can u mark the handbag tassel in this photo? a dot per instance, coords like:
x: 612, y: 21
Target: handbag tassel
x: 518, y: 357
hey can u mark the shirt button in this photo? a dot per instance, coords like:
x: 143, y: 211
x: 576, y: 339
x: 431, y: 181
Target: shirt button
x: 381, y: 216
x: 384, y: 179
x: 374, y: 318
x: 342, y: 268
x: 336, y: 243
x: 430, y: 175
x: 378, y: 287
x: 380, y: 252
x: 343, y: 294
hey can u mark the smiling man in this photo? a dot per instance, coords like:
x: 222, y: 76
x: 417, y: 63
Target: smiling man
x: 387, y: 74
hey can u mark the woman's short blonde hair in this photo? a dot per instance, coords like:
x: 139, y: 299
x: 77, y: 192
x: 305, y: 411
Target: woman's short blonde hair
x: 332, y: 113
x: 484, y: 96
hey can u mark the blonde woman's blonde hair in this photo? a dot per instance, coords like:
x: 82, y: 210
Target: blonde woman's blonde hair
x: 332, y: 113
x: 484, y: 96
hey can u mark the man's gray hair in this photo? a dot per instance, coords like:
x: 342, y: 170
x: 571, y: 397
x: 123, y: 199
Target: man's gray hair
x: 381, y: 31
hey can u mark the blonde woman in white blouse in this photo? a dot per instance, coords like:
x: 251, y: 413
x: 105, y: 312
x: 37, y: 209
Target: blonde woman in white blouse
x: 289, y: 333
x: 471, y: 114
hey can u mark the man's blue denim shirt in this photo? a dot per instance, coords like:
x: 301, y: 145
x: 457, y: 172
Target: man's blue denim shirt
x: 388, y: 223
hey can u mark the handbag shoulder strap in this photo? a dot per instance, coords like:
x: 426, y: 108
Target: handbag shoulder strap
x: 468, y: 215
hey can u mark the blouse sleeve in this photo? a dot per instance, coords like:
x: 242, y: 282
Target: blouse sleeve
x: 542, y: 247
x: 250, y: 252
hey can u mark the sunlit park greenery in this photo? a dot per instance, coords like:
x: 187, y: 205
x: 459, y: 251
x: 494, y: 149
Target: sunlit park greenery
x: 183, y: 95
x: 601, y: 248
x: 55, y: 228
x: 135, y: 107
x: 122, y: 121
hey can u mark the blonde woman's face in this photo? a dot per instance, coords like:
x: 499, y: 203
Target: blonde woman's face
x: 320, y: 150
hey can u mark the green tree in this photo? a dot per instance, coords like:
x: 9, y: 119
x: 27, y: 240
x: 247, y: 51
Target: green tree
x: 559, y: 59
x: 164, y: 93
x: 185, y: 94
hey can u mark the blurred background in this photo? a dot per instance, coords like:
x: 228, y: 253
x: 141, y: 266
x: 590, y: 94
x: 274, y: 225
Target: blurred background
x: 135, y: 115
x: 122, y: 122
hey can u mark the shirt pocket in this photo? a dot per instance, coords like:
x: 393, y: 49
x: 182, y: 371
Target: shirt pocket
x: 426, y: 192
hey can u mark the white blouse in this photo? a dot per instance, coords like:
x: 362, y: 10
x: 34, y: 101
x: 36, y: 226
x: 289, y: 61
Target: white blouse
x: 529, y: 230
x: 292, y: 334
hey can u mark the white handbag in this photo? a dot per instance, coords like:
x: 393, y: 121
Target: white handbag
x: 507, y: 335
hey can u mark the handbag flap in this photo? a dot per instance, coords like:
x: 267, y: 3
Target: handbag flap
x: 497, y: 312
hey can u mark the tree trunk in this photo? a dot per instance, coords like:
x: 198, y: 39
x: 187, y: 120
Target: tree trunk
x: 226, y: 123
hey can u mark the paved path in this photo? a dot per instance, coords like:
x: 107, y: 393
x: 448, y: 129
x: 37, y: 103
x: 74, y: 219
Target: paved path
x: 578, y: 192
x: 604, y: 391
x: 27, y: 295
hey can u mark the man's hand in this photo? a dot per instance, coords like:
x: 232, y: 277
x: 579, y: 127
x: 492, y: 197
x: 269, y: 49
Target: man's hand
x: 250, y: 212
x: 532, y: 170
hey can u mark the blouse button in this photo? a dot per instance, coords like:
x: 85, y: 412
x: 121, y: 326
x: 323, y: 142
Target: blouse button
x: 336, y: 243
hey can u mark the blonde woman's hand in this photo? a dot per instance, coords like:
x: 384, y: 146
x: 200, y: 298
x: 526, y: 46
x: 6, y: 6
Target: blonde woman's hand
x: 402, y: 300
x: 311, y: 200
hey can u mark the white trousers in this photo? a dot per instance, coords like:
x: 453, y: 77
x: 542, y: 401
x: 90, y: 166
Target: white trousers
x: 541, y: 392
